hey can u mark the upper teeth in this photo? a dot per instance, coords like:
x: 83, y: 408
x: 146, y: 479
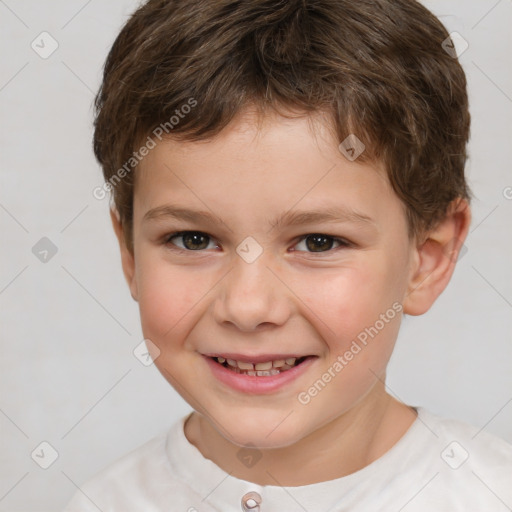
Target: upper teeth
x: 278, y: 363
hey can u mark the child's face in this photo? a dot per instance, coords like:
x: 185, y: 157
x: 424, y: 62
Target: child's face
x: 289, y: 301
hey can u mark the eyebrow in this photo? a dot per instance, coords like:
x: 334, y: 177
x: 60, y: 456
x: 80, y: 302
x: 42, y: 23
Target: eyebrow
x: 290, y: 218
x: 339, y: 214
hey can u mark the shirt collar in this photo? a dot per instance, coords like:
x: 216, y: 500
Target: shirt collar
x: 225, y: 492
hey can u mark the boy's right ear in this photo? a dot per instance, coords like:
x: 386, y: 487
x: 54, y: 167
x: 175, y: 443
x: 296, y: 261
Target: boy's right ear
x: 127, y: 257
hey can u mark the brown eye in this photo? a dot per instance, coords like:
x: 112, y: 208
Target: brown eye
x: 190, y: 240
x: 318, y: 242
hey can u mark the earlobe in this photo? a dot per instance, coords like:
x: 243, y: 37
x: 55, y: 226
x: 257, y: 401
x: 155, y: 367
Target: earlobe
x: 435, y: 258
x: 127, y: 256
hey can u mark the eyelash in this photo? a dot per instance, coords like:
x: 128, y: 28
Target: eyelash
x: 343, y: 243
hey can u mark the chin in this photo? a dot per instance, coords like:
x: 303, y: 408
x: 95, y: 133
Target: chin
x: 264, y: 432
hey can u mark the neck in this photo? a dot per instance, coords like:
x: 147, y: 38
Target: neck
x: 343, y: 446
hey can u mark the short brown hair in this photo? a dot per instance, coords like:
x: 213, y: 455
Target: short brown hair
x: 377, y: 68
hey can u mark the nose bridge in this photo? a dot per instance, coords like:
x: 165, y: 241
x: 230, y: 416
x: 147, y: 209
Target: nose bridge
x: 251, y: 295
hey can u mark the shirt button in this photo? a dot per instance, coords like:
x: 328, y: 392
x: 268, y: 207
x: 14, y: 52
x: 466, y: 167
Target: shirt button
x: 251, y: 502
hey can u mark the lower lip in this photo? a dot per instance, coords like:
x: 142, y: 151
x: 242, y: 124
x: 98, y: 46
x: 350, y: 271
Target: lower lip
x: 257, y: 385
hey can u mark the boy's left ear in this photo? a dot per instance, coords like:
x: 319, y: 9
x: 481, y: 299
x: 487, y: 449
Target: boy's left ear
x: 435, y: 257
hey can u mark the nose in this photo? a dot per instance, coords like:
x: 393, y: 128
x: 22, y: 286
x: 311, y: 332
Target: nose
x: 251, y: 297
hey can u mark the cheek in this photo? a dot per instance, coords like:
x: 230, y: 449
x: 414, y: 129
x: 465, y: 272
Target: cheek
x: 357, y: 312
x: 167, y: 296
x: 342, y: 302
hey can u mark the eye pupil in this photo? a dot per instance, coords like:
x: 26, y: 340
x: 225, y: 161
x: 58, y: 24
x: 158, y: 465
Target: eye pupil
x: 195, y: 241
x: 318, y: 243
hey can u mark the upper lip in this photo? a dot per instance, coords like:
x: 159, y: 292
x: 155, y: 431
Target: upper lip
x: 259, y: 358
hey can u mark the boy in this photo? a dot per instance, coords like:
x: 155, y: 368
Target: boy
x: 288, y: 181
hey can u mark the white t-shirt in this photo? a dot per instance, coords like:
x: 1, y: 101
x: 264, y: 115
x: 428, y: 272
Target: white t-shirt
x: 438, y: 465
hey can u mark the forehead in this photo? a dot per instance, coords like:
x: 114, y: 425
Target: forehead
x: 258, y: 166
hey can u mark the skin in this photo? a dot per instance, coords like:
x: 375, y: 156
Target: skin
x: 289, y: 300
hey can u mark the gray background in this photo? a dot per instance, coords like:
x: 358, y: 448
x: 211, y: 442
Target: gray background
x: 69, y: 326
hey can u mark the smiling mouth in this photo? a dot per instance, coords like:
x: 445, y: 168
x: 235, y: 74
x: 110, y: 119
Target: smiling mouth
x: 264, y: 369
